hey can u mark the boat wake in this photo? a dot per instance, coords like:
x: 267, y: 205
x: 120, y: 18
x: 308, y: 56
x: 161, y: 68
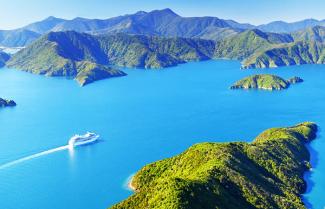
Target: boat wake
x: 30, y: 157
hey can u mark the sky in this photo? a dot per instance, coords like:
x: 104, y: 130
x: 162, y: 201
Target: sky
x: 17, y: 13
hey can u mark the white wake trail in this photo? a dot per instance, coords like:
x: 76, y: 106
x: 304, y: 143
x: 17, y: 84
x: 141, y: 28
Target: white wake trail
x: 30, y: 157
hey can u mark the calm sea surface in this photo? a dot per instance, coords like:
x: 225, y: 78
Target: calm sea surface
x: 143, y: 117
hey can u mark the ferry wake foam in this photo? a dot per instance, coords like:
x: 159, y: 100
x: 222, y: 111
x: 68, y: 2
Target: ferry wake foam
x: 76, y: 140
x: 40, y: 154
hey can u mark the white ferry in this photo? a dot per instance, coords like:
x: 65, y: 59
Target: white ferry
x: 87, y: 138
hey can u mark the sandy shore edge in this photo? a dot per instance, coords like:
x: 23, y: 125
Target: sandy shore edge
x: 130, y: 185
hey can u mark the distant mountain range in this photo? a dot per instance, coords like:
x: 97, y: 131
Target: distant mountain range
x: 84, y: 49
x: 284, y: 27
x: 158, y: 23
x: 164, y: 23
x: 71, y: 53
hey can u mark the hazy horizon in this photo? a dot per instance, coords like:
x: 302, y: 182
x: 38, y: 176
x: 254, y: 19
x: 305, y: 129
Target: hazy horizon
x: 253, y: 11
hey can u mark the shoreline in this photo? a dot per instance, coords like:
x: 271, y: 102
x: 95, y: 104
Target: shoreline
x: 129, y: 184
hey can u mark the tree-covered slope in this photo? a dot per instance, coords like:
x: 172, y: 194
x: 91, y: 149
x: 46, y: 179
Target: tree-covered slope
x: 154, y: 52
x: 4, y: 57
x: 68, y: 54
x: 266, y: 82
x: 298, y: 53
x: 250, y: 42
x: 57, y: 52
x: 311, y: 34
x: 266, y: 174
x: 308, y: 48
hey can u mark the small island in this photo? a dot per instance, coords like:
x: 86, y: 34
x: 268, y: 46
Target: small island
x: 265, y: 82
x: 267, y: 173
x: 7, y: 103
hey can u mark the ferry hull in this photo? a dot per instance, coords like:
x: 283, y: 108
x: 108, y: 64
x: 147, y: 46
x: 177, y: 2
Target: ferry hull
x: 73, y: 144
x: 86, y: 142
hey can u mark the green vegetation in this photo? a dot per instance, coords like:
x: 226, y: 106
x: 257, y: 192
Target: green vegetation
x: 86, y: 57
x: 308, y: 48
x: 69, y: 54
x: 90, y: 72
x: 7, y: 103
x: 266, y: 174
x: 60, y: 53
x: 248, y: 43
x: 154, y: 52
x: 266, y: 82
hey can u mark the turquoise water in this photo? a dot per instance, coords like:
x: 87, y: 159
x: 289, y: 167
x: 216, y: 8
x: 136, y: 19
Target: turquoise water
x: 143, y: 117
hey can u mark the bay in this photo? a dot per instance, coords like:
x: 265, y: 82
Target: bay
x: 146, y: 116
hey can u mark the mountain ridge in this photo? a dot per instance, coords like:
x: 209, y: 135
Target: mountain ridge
x: 308, y: 48
x: 69, y: 53
x: 163, y: 22
x: 62, y: 51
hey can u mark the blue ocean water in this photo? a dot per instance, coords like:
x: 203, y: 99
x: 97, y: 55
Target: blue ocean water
x: 143, y: 117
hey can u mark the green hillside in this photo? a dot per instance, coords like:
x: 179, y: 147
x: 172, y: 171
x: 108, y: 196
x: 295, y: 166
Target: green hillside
x: 154, y: 52
x: 60, y: 53
x: 69, y: 54
x: 308, y: 48
x: 266, y: 174
x: 250, y: 42
x: 86, y: 57
x: 4, y: 57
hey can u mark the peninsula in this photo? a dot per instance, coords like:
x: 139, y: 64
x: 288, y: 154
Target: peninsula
x: 266, y: 174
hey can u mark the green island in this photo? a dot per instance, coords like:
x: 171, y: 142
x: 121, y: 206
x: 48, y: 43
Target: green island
x: 7, y: 103
x: 265, y: 82
x: 267, y: 174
